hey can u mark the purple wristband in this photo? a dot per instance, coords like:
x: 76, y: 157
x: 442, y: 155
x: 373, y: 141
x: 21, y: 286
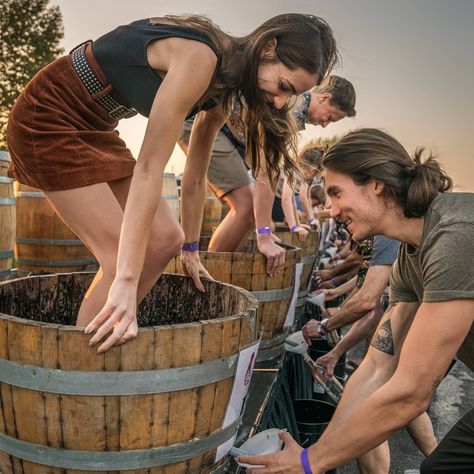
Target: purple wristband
x: 312, y: 222
x: 293, y: 228
x: 321, y: 329
x: 305, y: 462
x: 263, y: 230
x: 190, y: 247
x: 333, y: 281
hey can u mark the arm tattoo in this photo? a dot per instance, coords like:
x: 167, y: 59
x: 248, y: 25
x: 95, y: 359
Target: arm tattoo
x: 383, y: 339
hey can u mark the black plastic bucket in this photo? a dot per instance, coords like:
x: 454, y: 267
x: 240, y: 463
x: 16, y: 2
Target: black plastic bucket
x: 312, y: 417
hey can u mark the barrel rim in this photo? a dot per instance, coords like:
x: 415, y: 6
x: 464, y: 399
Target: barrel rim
x: 250, y: 310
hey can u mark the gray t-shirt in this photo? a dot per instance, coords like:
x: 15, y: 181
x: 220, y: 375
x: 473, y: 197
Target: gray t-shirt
x: 384, y: 251
x: 442, y: 268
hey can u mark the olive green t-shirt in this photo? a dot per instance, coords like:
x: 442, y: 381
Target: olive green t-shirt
x: 442, y: 268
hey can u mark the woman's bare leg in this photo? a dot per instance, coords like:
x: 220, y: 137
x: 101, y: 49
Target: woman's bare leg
x: 236, y: 226
x: 94, y: 213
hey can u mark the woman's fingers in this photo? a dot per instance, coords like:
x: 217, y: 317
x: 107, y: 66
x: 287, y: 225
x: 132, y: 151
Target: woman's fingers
x: 125, y: 329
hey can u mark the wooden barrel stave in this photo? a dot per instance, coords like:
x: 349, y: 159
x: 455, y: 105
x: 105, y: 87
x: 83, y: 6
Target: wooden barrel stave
x: 7, y: 218
x: 170, y: 192
x: 212, y: 213
x: 247, y: 269
x: 116, y: 422
x: 43, y: 242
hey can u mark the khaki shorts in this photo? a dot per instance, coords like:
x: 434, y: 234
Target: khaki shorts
x: 227, y: 169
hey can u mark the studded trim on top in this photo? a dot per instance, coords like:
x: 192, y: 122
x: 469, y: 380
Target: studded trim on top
x: 93, y: 85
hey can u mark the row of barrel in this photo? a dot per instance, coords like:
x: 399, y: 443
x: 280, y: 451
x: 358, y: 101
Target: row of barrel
x: 32, y: 232
x: 157, y: 404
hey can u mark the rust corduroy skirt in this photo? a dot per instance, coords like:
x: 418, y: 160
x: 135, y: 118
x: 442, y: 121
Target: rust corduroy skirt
x: 59, y: 137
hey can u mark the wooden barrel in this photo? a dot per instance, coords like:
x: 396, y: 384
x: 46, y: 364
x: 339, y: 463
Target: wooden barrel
x: 43, y: 242
x: 153, y: 405
x: 247, y: 269
x: 170, y: 192
x: 7, y: 218
x: 309, y: 250
x: 212, y: 213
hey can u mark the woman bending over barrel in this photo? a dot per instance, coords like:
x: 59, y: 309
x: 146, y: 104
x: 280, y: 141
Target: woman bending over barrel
x: 63, y: 141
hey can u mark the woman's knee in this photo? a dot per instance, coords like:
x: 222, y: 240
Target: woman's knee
x: 164, y: 244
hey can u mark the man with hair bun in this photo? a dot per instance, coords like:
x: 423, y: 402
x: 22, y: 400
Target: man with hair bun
x: 377, y: 188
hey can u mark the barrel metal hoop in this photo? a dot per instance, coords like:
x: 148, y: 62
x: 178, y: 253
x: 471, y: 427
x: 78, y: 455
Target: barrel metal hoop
x: 273, y: 295
x: 7, y: 201
x: 118, y: 460
x: 309, y: 260
x: 5, y: 179
x: 54, y: 242
x: 140, y: 382
x: 29, y: 194
x: 6, y: 253
x: 55, y: 263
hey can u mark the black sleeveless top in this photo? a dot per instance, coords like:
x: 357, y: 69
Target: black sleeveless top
x: 121, y: 54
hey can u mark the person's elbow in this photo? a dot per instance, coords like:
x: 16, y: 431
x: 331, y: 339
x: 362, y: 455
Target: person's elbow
x: 367, y: 301
x: 413, y: 395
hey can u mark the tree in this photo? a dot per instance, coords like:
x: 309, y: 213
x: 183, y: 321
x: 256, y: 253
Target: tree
x: 30, y: 32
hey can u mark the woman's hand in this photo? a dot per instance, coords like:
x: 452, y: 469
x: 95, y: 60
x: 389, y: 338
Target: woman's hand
x: 193, y: 267
x: 305, y: 226
x: 301, y: 232
x: 286, y: 461
x: 118, y: 317
x: 274, y: 254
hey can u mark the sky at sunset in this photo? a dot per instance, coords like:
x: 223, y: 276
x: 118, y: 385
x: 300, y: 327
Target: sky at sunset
x: 411, y: 63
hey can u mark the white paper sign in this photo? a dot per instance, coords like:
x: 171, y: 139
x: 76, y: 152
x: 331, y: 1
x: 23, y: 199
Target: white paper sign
x: 290, y: 316
x: 247, y: 358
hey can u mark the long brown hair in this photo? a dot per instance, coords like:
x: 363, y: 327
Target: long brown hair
x: 303, y: 41
x: 370, y: 153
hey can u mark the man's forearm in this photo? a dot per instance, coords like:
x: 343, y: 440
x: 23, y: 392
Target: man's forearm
x: 374, y: 421
x: 352, y: 310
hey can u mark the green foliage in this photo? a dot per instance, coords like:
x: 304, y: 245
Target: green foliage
x: 30, y: 32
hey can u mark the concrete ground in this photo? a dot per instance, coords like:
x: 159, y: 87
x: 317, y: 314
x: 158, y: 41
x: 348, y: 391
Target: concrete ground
x: 453, y: 398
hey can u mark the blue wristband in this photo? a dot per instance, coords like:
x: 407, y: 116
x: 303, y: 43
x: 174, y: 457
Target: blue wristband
x: 312, y: 222
x: 263, y: 230
x: 305, y: 462
x: 293, y: 228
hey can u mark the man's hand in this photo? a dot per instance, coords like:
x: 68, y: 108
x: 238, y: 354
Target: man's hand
x: 311, y: 331
x: 327, y: 362
x: 286, y: 461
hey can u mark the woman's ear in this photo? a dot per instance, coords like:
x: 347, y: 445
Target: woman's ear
x: 378, y: 187
x: 269, y: 48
